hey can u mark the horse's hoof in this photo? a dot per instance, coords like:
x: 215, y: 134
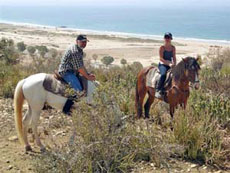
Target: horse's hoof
x: 28, y: 148
x: 42, y: 150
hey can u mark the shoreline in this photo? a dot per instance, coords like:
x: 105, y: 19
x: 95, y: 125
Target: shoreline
x: 114, y: 33
x: 133, y: 48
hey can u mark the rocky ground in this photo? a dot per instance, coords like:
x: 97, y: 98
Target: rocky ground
x: 56, y: 129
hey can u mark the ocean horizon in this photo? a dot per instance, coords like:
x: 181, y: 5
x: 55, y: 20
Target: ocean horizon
x: 188, y: 24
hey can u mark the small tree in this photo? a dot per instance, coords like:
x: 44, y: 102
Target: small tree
x: 123, y: 61
x: 53, y: 52
x: 95, y: 57
x: 42, y: 50
x: 31, y: 50
x: 107, y: 60
x: 8, y: 54
x: 137, y: 65
x: 21, y: 46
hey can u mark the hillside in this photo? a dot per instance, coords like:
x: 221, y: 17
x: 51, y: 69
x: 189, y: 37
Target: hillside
x: 106, y: 138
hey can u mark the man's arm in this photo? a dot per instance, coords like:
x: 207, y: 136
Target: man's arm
x: 84, y: 73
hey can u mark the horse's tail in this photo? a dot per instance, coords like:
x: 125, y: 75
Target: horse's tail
x: 18, y: 104
x: 137, y: 93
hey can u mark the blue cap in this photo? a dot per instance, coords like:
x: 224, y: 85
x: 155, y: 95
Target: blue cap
x: 168, y: 35
x: 82, y: 37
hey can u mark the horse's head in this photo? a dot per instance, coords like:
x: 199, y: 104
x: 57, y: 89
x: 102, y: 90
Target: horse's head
x: 192, y: 70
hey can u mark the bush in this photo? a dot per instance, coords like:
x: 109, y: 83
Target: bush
x: 217, y: 78
x: 137, y: 64
x: 10, y: 73
x: 95, y: 57
x: 14, y: 73
x: 21, y: 46
x: 53, y: 52
x: 31, y: 50
x: 107, y: 60
x: 104, y: 141
x: 123, y: 61
x: 8, y: 54
x: 198, y: 131
x: 42, y: 50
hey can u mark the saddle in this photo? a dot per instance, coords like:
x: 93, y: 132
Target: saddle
x: 153, y: 77
x: 55, y: 84
x: 168, y: 79
x: 82, y: 79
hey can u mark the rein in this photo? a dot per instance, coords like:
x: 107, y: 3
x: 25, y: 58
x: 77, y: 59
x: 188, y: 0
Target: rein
x: 182, y: 90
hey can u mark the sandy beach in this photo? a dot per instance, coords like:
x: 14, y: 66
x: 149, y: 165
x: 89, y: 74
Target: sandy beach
x: 144, y: 50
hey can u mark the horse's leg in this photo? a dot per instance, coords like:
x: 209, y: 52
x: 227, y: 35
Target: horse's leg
x: 149, y: 102
x: 140, y: 101
x: 90, y: 90
x: 185, y: 103
x: 26, y: 121
x: 172, y: 109
x: 35, y: 119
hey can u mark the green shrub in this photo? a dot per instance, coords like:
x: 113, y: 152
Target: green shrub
x: 201, y: 138
x: 53, y: 52
x: 137, y: 64
x: 9, y: 77
x: 8, y: 54
x: 104, y: 141
x: 123, y: 61
x: 95, y: 57
x: 42, y: 50
x: 31, y: 50
x: 107, y: 60
x: 21, y: 46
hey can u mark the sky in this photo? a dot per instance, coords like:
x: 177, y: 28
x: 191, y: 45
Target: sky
x: 147, y: 3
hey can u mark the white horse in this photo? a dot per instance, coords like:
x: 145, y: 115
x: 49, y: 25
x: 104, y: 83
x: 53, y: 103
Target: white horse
x: 32, y: 90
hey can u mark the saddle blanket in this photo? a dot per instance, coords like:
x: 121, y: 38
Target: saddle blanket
x: 55, y: 86
x: 152, y: 77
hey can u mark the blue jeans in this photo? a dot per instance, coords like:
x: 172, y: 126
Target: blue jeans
x: 163, y: 71
x: 72, y: 80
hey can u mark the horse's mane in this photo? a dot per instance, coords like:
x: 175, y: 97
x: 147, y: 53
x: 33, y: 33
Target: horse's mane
x: 179, y: 69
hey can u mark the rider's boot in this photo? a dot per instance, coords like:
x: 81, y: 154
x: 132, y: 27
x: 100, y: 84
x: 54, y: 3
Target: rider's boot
x: 158, y: 94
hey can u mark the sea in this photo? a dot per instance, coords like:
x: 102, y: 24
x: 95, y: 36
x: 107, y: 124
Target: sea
x: 197, y: 23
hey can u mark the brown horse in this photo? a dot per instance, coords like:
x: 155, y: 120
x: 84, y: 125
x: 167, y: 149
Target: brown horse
x: 176, y: 92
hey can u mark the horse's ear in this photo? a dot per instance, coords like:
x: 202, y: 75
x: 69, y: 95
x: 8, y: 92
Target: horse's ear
x: 185, y: 60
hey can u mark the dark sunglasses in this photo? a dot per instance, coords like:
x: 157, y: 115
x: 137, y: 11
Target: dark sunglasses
x: 167, y: 37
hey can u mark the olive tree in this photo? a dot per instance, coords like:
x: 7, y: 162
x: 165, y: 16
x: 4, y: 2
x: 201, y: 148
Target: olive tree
x: 31, y: 50
x: 42, y: 50
x: 95, y: 57
x: 107, y: 60
x: 123, y: 61
x: 21, y: 46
